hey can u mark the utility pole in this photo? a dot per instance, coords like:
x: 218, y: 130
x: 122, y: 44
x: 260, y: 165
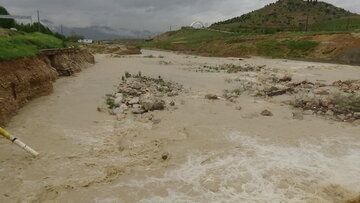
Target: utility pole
x: 38, y: 16
x: 61, y: 29
x: 307, y: 22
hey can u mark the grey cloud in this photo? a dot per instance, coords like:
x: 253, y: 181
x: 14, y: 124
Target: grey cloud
x: 154, y: 15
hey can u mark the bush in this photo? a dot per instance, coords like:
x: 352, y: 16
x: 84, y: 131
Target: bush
x: 348, y: 102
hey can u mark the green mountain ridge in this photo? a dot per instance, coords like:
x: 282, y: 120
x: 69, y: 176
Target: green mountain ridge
x: 286, y: 14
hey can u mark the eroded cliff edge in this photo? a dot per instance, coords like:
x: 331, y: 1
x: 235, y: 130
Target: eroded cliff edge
x: 24, y: 79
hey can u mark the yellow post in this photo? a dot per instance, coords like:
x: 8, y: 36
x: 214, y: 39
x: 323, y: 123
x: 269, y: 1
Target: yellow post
x: 16, y: 141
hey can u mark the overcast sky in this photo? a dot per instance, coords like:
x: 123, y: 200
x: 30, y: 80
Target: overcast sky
x: 153, y: 15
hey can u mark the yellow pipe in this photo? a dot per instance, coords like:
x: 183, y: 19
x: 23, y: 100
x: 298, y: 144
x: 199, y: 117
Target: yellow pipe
x: 7, y: 135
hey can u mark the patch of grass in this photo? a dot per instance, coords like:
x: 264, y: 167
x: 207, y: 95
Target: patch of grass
x: 270, y: 48
x: 27, y: 45
x: 127, y: 75
x: 300, y: 45
x: 287, y: 48
x: 110, y: 101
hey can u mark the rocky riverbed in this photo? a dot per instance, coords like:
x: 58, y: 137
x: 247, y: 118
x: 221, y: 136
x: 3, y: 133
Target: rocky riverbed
x: 140, y: 94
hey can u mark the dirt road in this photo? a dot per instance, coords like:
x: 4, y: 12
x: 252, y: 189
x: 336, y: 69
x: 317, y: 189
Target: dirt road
x: 217, y: 153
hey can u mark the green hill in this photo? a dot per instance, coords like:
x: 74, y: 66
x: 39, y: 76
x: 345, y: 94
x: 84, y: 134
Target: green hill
x: 285, y: 14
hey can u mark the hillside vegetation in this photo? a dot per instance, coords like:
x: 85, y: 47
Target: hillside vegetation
x: 325, y: 46
x: 294, y: 29
x: 19, y: 45
x: 285, y: 15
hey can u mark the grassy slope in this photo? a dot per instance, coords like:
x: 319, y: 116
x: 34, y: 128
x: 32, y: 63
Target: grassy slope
x: 20, y: 45
x: 284, y: 14
x: 187, y: 39
x: 350, y: 24
x: 204, y: 42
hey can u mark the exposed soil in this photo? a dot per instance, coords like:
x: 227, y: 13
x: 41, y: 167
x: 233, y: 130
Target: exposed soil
x: 68, y: 62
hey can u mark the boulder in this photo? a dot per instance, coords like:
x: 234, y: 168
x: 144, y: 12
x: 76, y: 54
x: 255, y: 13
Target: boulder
x: 135, y: 100
x: 153, y: 104
x: 118, y: 100
x: 357, y: 115
x: 137, y: 109
x: 266, y: 113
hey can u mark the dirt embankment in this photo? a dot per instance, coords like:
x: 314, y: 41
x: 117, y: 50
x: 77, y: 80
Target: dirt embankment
x: 69, y: 61
x: 26, y: 78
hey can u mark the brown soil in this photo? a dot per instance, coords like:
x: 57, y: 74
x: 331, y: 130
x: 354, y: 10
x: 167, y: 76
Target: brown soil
x: 26, y: 78
x: 335, y: 47
x: 70, y: 61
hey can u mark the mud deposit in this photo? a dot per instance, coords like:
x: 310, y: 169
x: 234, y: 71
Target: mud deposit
x: 215, y: 150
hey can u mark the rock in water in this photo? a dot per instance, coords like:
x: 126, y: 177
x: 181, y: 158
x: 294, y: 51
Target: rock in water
x: 118, y: 100
x: 137, y: 109
x: 135, y: 100
x: 153, y: 104
x: 286, y: 78
x: 211, y: 96
x: 118, y: 111
x: 165, y: 156
x: 298, y: 116
x: 159, y: 105
x: 266, y: 113
x: 357, y: 115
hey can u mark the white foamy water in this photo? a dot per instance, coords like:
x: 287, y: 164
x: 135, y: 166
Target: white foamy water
x: 257, y: 172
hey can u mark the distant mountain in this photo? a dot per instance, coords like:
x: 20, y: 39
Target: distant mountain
x: 101, y: 32
x: 286, y: 13
x: 106, y: 33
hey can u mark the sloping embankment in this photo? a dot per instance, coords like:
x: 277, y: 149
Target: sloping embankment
x: 24, y: 79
